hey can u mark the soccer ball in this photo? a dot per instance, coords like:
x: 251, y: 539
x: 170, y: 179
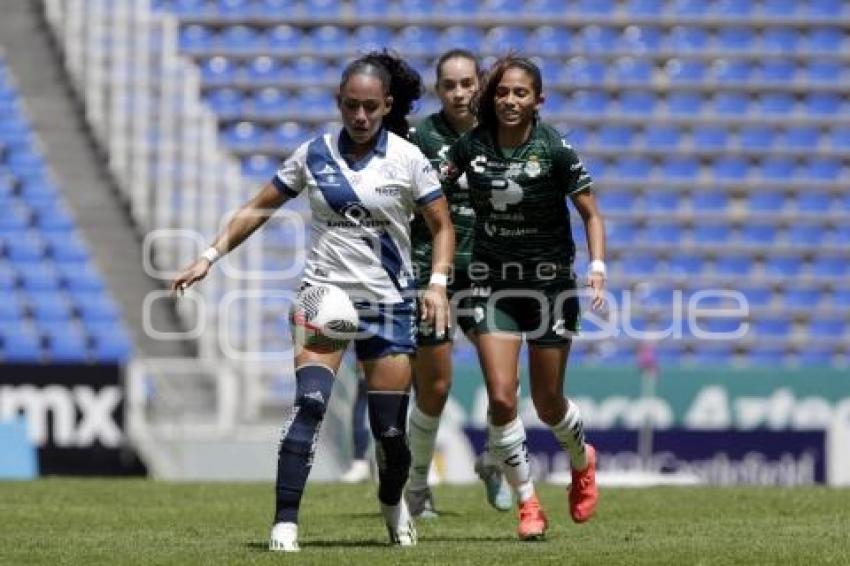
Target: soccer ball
x: 323, y: 317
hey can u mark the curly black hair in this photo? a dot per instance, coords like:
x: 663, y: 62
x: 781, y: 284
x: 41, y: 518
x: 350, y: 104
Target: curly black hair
x: 400, y: 80
x: 483, y: 104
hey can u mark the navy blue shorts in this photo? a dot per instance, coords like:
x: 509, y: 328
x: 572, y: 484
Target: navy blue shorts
x: 385, y: 329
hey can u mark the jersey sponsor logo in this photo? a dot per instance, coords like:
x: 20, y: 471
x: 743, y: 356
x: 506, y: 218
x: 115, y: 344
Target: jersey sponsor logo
x: 355, y: 212
x: 505, y: 192
x: 479, y: 163
x: 388, y: 191
x: 493, y: 230
x: 532, y: 167
x: 514, y: 170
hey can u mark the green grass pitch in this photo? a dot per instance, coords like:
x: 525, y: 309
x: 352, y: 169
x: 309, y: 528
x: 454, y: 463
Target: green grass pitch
x: 63, y: 521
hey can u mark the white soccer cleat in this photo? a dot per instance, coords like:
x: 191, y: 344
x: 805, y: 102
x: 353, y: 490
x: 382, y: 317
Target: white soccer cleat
x: 420, y: 503
x: 400, y: 526
x: 358, y: 472
x: 496, y: 487
x: 284, y: 538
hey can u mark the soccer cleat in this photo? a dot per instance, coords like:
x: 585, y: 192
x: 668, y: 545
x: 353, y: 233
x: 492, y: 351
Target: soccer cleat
x: 284, y: 538
x: 400, y: 526
x: 421, y: 503
x: 496, y: 487
x: 583, y: 493
x: 532, y: 520
x: 358, y: 472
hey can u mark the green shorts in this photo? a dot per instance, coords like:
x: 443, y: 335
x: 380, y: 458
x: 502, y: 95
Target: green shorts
x: 548, y: 315
x: 458, y: 293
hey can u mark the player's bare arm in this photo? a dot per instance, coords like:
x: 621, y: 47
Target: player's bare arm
x: 585, y: 203
x: 435, y: 305
x: 247, y: 219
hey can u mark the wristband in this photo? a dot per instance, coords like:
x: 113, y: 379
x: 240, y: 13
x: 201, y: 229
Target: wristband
x: 440, y: 279
x: 597, y: 266
x: 211, y: 254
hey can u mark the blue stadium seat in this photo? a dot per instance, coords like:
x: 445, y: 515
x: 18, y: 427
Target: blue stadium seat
x: 830, y: 9
x: 712, y: 202
x: 681, y: 70
x: 269, y: 101
x: 688, y: 8
x: 816, y: 355
x: 825, y: 104
x: 685, y: 266
x: 684, y: 103
x: 189, y: 7
x: 500, y: 39
x: 814, y: 202
x: 758, y: 234
x: 70, y: 347
x: 710, y: 137
x: 372, y: 37
x: 21, y: 347
x: 735, y: 9
x: 556, y: 103
x: 617, y: 200
x: 259, y: 167
x: 662, y: 136
x: 79, y: 277
x: 713, y: 354
x: 218, y: 70
x: 824, y: 40
x: 638, y: 265
x: 8, y: 277
x: 284, y: 38
x: 114, y: 347
x: 467, y: 37
x: 621, y: 232
x: 225, y: 101
x: 773, y: 327
x: 232, y: 7
x: 824, y: 71
x: 29, y: 247
x: 632, y: 70
x: 801, y: 137
x: 731, y: 70
x: 776, y: 103
x: 644, y: 7
x: 778, y: 169
x: 96, y: 307
x: 637, y: 102
x: 783, y: 266
x: 662, y: 233
x: 38, y: 276
x: 289, y: 135
x: 265, y: 69
x: 329, y: 39
x: 839, y: 236
x: 595, y: 7
x: 662, y: 202
x: 779, y: 8
x: 615, y: 136
x: 840, y: 298
x: 640, y: 39
x: 417, y: 7
x: 242, y: 136
x: 550, y: 40
x: 733, y: 266
x: 822, y: 169
x: 590, y: 102
x: 766, y: 356
x: 778, y: 71
x: 802, y: 298
x: 805, y: 235
x: 543, y: 7
x: 196, y: 38
x: 731, y: 103
x: 325, y: 8
x: 687, y: 39
x: 632, y: 167
x: 417, y: 40
x: 12, y: 308
x: 371, y: 8
x: 829, y: 267
x: 757, y: 297
x: 584, y: 71
x: 757, y: 137
x: 498, y: 7
x: 780, y: 39
x: 595, y: 39
x: 679, y: 168
x: 730, y: 168
x: 735, y: 38
x: 49, y: 306
x: 711, y: 234
x: 766, y: 202
x: 313, y: 102
x: 66, y: 247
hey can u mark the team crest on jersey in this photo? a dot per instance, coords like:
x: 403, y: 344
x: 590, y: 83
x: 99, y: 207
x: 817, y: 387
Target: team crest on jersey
x: 479, y: 163
x: 391, y: 171
x: 355, y: 212
x: 532, y: 167
x: 328, y: 175
x: 514, y: 170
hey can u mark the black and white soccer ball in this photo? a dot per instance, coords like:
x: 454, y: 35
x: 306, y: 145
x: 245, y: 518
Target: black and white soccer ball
x: 323, y: 316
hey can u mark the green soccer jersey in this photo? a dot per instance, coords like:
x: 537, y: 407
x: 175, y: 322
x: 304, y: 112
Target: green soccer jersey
x: 522, y: 225
x: 434, y: 136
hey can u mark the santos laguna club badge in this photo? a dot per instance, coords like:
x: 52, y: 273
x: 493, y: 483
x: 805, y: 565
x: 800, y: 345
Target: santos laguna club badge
x: 532, y: 167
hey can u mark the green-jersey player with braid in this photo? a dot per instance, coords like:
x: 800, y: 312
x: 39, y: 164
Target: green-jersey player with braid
x: 457, y: 82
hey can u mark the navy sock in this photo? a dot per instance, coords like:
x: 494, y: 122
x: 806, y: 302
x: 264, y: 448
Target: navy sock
x: 298, y: 440
x: 388, y: 417
x: 359, y: 429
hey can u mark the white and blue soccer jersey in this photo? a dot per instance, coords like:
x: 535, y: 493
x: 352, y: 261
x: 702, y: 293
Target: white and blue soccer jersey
x: 360, y: 232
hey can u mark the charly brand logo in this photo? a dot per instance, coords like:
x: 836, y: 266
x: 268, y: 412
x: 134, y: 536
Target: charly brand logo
x: 62, y: 404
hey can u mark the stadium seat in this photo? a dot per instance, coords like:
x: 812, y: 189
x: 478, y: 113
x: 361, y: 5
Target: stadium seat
x: 664, y: 203
x: 284, y: 38
x: 709, y: 202
x: 289, y: 135
x: 242, y: 136
x: 417, y: 7
x: 615, y: 136
x: 95, y: 307
x: 829, y: 267
x: 662, y: 136
x: 417, y: 40
x: 805, y: 235
x: 679, y: 70
x: 684, y: 103
x: 710, y: 137
x: 22, y: 347
x: 757, y: 137
x: 779, y: 39
x: 617, y: 201
x: 269, y: 102
x: 840, y: 299
x: 687, y: 39
x: 733, y: 266
x: 550, y: 40
x: 828, y: 9
x: 259, y: 167
x: 595, y: 39
x: 466, y: 37
x: 583, y: 71
x: 711, y: 234
x: 371, y: 8
x: 730, y: 168
x: 825, y: 104
x: 777, y: 71
x: 731, y: 103
x: 758, y: 234
x: 783, y: 267
x: 621, y: 232
x: 632, y: 70
x: 814, y: 203
x: 773, y: 327
x: 227, y: 8
x: 501, y: 39
x: 797, y: 298
x: 218, y: 70
x: 758, y: 297
x: 777, y: 169
x: 195, y: 38
x: 225, y: 102
x: 816, y: 355
x: 824, y: 71
x: 240, y: 39
x: 735, y: 39
x: 115, y: 347
x: 734, y: 9
x: 766, y: 356
x: 79, y: 277
x: 680, y: 168
x: 644, y: 7
x: 329, y: 39
x: 68, y: 347
x: 589, y: 102
x: 685, y: 266
x: 637, y: 103
x: 801, y: 137
x: 824, y: 40
x: 266, y: 69
x: 776, y: 103
x: 640, y: 39
x: 712, y: 354
x: 822, y: 169
x: 66, y: 247
x: 766, y: 202
x: 49, y: 306
x: 371, y: 37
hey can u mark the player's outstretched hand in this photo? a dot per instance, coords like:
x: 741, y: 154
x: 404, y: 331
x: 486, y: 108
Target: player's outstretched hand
x: 596, y: 281
x: 435, y: 309
x: 190, y: 275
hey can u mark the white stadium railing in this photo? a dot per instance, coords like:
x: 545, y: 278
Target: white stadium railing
x: 143, y: 102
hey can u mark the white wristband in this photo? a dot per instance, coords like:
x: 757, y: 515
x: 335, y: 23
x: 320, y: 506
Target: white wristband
x: 597, y: 266
x: 211, y: 254
x: 440, y: 279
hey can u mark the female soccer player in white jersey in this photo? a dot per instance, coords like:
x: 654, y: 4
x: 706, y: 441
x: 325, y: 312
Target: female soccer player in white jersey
x: 457, y: 82
x: 520, y: 173
x: 363, y: 184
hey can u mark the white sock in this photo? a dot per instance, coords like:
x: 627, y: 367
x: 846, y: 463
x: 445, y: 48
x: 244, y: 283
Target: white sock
x: 422, y: 432
x: 570, y: 435
x: 507, y: 443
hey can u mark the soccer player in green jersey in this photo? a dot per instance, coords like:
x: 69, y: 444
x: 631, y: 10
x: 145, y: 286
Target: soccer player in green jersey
x: 457, y: 82
x: 520, y: 173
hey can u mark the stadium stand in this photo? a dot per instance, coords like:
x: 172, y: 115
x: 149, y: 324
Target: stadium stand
x: 56, y: 307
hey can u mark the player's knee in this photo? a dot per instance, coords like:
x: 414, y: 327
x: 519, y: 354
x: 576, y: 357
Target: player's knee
x: 503, y: 406
x: 550, y: 409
